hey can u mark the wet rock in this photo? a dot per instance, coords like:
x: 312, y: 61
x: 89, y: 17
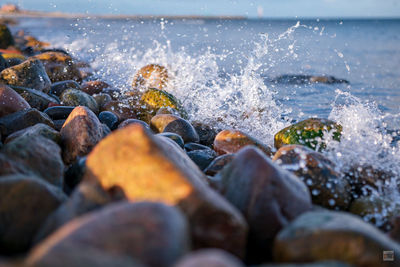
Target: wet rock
x: 58, y: 88
x: 218, y: 164
x: 35, y: 98
x: 59, y: 66
x: 153, y: 233
x: 231, y: 141
x: 59, y: 112
x: 158, y: 122
x: 10, y: 101
x: 36, y: 155
x: 151, y: 76
x: 154, y: 99
x: 329, y: 235
x: 74, y: 175
x: 174, y: 137
x: 80, y: 133
x: 6, y: 38
x: 84, y: 199
x: 23, y: 119
x: 129, y: 156
x: 268, y: 196
x: 39, y: 129
x: 378, y: 210
x: 3, y: 63
x: 309, y: 133
x: 74, y: 97
x: 102, y: 100
x: 24, y: 205
x: 183, y: 128
x: 305, y: 79
x: 109, y: 119
x: 133, y: 121
x: 209, y: 258
x: 94, y: 87
x: 168, y: 110
x: 12, y: 61
x: 328, y: 187
x: 202, y: 158
x: 206, y: 133
x: 395, y: 231
x: 194, y: 146
x: 123, y: 111
x: 29, y: 74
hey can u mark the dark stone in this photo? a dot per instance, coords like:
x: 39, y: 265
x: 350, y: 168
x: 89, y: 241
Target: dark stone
x: 58, y: 124
x: 174, y: 137
x: 6, y: 38
x: 202, y: 158
x: 94, y: 87
x: 25, y: 204
x: 39, y: 129
x: 206, y: 133
x: 10, y: 101
x: 59, y: 112
x: 194, y: 146
x: 74, y: 174
x: 109, y: 119
x: 209, y: 258
x: 268, y: 196
x: 3, y: 63
x: 58, y: 88
x: 184, y: 129
x: 74, y: 97
x: 153, y: 233
x: 102, y: 100
x: 133, y: 121
x: 23, y: 119
x: 218, y: 164
x: 35, y: 98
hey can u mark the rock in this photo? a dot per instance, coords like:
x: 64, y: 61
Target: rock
x: 35, y: 98
x: 206, y: 133
x: 35, y: 155
x: 329, y: 235
x: 174, y: 137
x: 21, y: 120
x: 306, y: 79
x: 58, y: 88
x: 202, y: 158
x: 194, y: 146
x: 231, y: 141
x: 309, y: 133
x: 59, y: 112
x: 109, y: 119
x: 123, y: 111
x: 102, y: 100
x: 74, y: 97
x: 183, y: 128
x: 30, y: 74
x: 209, y: 258
x: 129, y: 156
x: 94, y: 87
x: 3, y: 63
x: 6, y: 38
x: 74, y: 174
x: 39, y: 129
x: 133, y: 121
x: 58, y: 124
x: 395, y: 231
x: 59, y: 66
x: 12, y: 61
x: 378, y: 210
x: 10, y: 101
x: 80, y: 133
x: 327, y: 263
x: 151, y: 76
x: 84, y: 199
x: 268, y: 196
x: 152, y: 233
x: 218, y: 164
x: 168, y: 110
x: 158, y: 122
x: 154, y: 99
x: 328, y: 187
x: 24, y: 205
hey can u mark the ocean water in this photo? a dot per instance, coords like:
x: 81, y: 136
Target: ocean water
x: 223, y: 72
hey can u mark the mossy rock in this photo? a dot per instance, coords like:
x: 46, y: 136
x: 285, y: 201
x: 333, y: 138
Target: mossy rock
x: 154, y: 99
x: 6, y: 38
x: 309, y: 133
x: 74, y: 97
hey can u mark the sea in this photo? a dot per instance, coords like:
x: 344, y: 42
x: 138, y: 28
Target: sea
x: 226, y: 73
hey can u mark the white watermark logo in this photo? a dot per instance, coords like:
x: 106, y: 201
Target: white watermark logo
x: 388, y: 255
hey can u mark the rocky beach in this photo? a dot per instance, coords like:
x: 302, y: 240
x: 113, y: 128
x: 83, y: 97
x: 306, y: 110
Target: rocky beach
x: 92, y: 175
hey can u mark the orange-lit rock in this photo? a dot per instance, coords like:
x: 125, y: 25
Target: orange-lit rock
x: 231, y: 141
x: 10, y: 101
x: 147, y: 168
x: 80, y: 133
x: 94, y: 87
x: 151, y: 76
x: 152, y: 233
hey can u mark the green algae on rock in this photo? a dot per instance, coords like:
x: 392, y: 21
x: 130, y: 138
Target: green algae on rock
x: 74, y: 97
x: 309, y: 132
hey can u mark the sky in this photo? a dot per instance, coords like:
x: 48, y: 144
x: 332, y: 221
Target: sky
x: 248, y: 8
